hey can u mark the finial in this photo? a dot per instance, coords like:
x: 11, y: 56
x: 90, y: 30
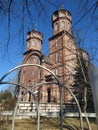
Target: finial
x: 61, y: 7
x: 35, y: 27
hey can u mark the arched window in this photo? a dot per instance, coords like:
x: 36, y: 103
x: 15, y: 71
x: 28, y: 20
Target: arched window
x: 68, y: 27
x: 56, y: 71
x: 56, y: 42
x: 63, y: 25
x: 33, y: 43
x: 22, y: 95
x: 28, y: 44
x: 56, y: 27
x: 29, y: 99
x: 48, y: 95
x: 62, y: 14
x: 56, y: 57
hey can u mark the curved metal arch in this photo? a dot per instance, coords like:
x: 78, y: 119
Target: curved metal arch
x: 38, y: 85
x: 22, y: 86
x: 23, y: 65
x: 73, y: 95
x: 27, y: 90
x: 79, y: 108
x: 14, y: 113
x: 58, y: 83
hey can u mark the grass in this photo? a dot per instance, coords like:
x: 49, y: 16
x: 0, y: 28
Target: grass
x: 46, y: 124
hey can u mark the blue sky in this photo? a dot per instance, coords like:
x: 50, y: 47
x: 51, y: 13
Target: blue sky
x: 16, y: 47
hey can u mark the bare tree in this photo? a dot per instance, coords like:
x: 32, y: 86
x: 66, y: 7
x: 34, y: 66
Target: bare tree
x: 25, y: 12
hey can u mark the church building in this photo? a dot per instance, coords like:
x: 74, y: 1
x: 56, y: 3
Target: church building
x: 61, y: 60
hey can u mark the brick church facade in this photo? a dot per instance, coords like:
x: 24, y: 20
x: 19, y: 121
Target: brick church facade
x: 61, y: 60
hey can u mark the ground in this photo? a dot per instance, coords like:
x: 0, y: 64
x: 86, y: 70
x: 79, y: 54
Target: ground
x: 46, y: 124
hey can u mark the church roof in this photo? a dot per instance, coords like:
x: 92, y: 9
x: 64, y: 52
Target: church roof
x: 46, y: 59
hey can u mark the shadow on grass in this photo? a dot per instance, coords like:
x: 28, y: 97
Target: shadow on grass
x: 45, y: 124
x: 56, y: 123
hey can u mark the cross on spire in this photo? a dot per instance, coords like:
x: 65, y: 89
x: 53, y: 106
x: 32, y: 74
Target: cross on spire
x: 61, y: 7
x: 35, y: 27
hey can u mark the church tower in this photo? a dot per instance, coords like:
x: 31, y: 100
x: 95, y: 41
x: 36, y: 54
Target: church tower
x: 34, y: 41
x: 62, y: 48
x: 30, y: 75
x: 61, y: 20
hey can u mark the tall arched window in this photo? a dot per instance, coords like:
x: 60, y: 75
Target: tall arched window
x: 33, y: 43
x: 48, y: 95
x: 56, y: 57
x: 56, y: 71
x: 56, y: 27
x: 29, y: 99
x: 56, y: 42
x: 62, y: 14
x: 22, y: 95
x: 63, y: 25
x: 68, y: 26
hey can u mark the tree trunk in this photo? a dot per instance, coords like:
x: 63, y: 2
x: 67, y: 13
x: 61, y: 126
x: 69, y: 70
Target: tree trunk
x: 85, y: 107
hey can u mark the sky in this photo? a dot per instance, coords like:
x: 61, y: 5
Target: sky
x: 39, y: 14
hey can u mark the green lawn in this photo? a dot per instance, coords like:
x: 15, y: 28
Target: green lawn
x: 46, y: 124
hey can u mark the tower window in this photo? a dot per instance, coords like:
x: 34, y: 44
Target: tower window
x: 56, y: 27
x: 22, y: 95
x: 68, y: 26
x: 56, y: 15
x: 56, y: 71
x: 62, y: 14
x: 29, y: 99
x: 28, y: 44
x: 38, y: 44
x: 48, y: 95
x: 56, y: 57
x: 56, y: 42
x: 33, y: 43
x: 63, y: 25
